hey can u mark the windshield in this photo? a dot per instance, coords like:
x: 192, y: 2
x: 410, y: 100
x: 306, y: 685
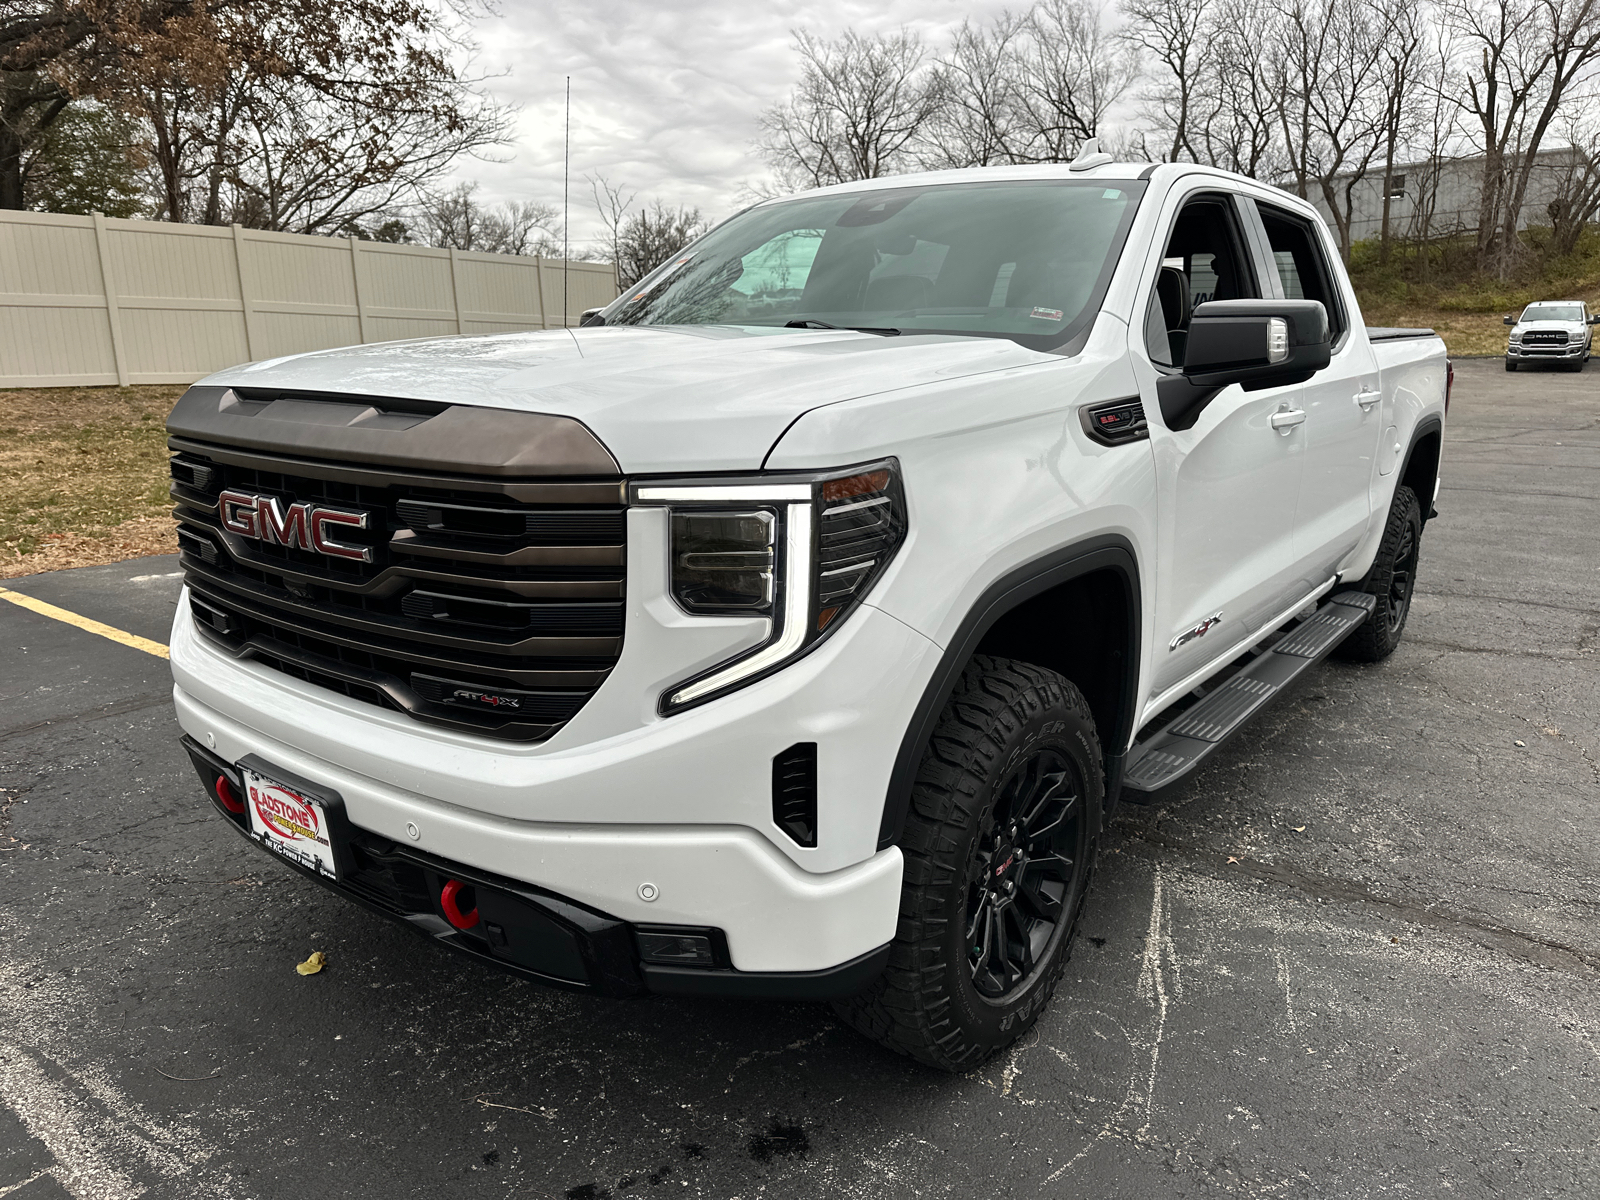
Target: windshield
x: 1553, y: 312
x: 1027, y: 260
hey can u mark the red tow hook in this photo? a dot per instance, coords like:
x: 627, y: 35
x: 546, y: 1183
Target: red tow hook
x: 452, y: 910
x: 225, y: 793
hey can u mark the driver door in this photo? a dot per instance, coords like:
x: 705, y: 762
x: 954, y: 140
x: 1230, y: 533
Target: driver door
x: 1228, y: 480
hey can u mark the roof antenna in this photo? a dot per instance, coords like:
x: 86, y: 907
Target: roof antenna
x: 1090, y: 156
x: 566, y: 210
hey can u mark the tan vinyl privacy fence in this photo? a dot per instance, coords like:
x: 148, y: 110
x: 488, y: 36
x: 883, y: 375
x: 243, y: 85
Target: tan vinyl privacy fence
x: 94, y: 300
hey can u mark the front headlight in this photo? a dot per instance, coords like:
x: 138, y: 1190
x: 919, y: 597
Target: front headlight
x: 800, y: 549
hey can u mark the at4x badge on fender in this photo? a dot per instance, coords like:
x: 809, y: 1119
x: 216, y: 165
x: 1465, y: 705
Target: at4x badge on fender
x: 1200, y: 630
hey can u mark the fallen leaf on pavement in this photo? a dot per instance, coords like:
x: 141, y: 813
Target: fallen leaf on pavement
x: 313, y: 964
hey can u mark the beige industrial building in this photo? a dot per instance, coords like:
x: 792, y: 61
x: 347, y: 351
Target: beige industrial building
x: 1438, y: 197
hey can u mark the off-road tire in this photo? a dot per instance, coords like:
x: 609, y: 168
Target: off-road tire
x: 1511, y: 365
x: 1400, y: 551
x: 1002, y: 716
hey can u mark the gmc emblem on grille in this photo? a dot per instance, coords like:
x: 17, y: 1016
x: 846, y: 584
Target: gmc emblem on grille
x: 300, y: 526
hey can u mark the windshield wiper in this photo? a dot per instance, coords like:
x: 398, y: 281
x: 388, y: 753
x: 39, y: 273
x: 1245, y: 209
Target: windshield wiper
x: 813, y: 323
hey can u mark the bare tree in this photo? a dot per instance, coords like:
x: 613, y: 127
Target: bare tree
x: 1235, y: 108
x: 1071, y: 72
x: 1435, y: 132
x: 1524, y: 60
x: 1173, y: 34
x: 1577, y: 186
x: 982, y: 120
x: 651, y: 236
x: 1402, y: 38
x: 613, y: 204
x: 860, y: 102
x: 1327, y: 52
x: 456, y: 220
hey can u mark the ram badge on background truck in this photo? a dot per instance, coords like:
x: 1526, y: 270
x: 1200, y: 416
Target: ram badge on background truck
x: 790, y: 629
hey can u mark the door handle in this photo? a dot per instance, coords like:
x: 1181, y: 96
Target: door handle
x: 1287, y: 418
x: 1367, y: 399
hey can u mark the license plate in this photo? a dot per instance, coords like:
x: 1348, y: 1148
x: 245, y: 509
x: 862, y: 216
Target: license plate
x: 283, y: 820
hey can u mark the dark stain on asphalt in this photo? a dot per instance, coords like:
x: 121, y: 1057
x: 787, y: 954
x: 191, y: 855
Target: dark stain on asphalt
x: 588, y: 1191
x: 780, y: 1141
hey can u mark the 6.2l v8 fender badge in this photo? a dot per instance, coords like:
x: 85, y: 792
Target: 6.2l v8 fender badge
x: 1200, y: 630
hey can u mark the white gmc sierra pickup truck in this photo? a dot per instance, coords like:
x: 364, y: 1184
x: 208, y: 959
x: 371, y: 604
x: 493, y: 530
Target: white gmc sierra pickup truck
x: 790, y: 629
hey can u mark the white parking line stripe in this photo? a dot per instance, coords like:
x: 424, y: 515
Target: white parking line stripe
x: 53, y: 1115
x: 20, y: 1184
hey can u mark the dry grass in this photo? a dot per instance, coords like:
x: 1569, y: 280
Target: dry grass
x: 83, y: 476
x: 1466, y: 335
x: 1441, y: 287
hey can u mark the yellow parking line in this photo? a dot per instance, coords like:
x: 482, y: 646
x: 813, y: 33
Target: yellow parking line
x: 72, y: 618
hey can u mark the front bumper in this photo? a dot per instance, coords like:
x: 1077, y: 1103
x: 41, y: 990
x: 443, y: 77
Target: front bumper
x: 1535, y: 353
x: 684, y: 804
x: 523, y: 930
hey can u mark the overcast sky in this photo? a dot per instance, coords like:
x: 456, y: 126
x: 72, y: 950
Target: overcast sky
x: 665, y: 96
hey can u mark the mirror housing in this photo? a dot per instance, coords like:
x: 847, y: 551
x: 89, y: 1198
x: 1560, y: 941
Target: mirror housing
x: 1594, y: 320
x: 1508, y: 321
x: 1256, y: 343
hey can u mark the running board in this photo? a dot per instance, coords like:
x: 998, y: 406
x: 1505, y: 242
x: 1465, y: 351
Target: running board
x: 1167, y: 757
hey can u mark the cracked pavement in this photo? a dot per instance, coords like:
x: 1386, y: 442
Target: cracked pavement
x: 1356, y: 956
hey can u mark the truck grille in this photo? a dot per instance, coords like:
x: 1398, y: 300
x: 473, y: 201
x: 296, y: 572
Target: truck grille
x: 486, y: 604
x: 1544, y: 337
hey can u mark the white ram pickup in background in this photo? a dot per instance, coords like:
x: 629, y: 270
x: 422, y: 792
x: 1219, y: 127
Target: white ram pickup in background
x: 1551, y: 331
x: 792, y: 628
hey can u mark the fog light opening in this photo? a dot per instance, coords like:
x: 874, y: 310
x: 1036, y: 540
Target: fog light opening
x: 451, y: 898
x: 674, y: 948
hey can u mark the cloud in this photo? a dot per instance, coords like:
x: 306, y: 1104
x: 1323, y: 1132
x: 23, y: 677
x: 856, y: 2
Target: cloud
x: 665, y: 96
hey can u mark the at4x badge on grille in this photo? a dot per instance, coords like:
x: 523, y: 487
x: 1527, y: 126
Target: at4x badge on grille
x: 300, y: 526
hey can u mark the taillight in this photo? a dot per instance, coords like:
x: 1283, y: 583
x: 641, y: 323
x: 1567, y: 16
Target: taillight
x: 1449, y: 382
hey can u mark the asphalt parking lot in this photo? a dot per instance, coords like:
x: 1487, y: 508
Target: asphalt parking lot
x: 1356, y: 957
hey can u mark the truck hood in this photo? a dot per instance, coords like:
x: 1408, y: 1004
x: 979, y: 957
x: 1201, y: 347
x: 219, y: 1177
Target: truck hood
x: 1564, y: 326
x: 662, y: 399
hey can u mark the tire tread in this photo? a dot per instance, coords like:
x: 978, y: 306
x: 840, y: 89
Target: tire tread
x: 908, y: 1007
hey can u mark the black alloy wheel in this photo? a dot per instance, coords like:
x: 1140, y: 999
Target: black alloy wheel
x: 1391, y: 580
x: 1022, y: 873
x: 1402, y: 577
x: 999, y: 848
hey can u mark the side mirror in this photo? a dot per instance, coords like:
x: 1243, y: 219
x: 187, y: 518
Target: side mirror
x: 1508, y: 321
x: 591, y: 316
x: 1256, y: 343
x: 1595, y: 320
